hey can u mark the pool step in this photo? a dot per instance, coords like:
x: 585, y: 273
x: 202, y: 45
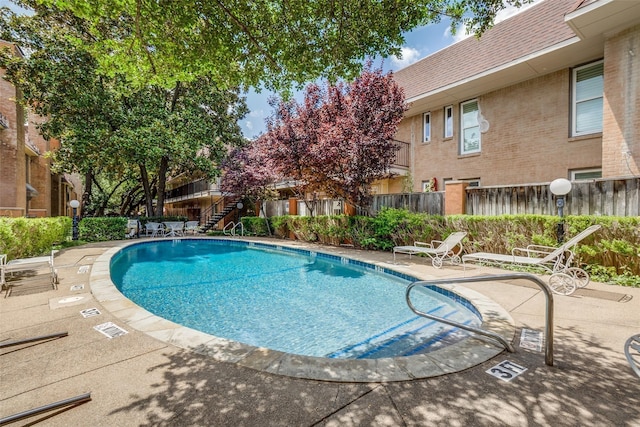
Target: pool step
x: 413, y: 336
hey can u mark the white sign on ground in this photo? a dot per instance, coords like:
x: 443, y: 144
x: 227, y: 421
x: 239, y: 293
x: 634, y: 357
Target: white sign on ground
x: 531, y: 340
x: 506, y: 370
x: 110, y: 329
x: 90, y: 312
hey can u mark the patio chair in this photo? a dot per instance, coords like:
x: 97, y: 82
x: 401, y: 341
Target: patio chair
x: 564, y: 279
x: 192, y: 227
x: 133, y: 228
x: 24, y: 264
x: 173, y: 228
x: 438, y: 250
x: 154, y: 229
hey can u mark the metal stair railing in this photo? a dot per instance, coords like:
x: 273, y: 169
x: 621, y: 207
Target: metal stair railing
x: 492, y: 335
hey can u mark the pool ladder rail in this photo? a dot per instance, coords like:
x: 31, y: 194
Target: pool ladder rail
x: 231, y: 229
x: 492, y: 335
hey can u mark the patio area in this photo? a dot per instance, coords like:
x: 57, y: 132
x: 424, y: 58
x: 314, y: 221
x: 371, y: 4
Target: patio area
x: 137, y: 380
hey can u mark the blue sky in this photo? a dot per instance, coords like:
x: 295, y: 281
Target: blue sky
x: 420, y: 42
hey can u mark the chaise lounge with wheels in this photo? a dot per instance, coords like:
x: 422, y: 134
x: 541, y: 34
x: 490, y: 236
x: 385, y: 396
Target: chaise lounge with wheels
x: 438, y: 250
x: 564, y: 278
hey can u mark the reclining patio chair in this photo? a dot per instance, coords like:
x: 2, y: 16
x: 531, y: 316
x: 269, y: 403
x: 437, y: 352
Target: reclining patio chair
x: 154, y: 229
x: 25, y: 264
x: 191, y: 227
x: 439, y: 251
x: 564, y: 279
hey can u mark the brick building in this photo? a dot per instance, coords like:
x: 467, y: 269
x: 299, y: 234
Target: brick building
x: 553, y: 92
x: 27, y: 186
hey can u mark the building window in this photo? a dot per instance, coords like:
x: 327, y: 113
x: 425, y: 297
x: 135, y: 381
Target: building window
x: 426, y: 137
x: 448, y: 121
x: 582, y: 174
x: 588, y: 87
x: 469, y: 127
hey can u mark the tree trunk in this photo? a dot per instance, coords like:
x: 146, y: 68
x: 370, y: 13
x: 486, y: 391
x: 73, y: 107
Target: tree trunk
x: 144, y: 177
x: 162, y: 183
x: 88, y: 187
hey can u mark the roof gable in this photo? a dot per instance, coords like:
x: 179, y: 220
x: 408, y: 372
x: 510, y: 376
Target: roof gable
x: 522, y: 35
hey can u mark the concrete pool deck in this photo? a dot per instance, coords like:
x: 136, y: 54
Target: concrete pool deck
x: 136, y: 379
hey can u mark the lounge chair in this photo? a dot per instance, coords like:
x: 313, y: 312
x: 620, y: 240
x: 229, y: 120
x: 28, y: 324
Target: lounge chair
x: 564, y: 279
x: 439, y: 251
x: 173, y: 228
x: 24, y: 264
x: 192, y: 227
x: 154, y: 229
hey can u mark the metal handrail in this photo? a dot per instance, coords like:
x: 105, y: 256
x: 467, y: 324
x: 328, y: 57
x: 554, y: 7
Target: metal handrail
x: 231, y: 228
x: 548, y: 358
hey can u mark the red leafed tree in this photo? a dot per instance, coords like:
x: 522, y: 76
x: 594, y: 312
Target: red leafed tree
x: 337, y: 141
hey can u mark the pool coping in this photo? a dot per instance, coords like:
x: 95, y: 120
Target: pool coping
x: 453, y: 358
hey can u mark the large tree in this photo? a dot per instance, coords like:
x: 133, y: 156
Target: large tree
x: 270, y: 42
x: 337, y: 141
x: 107, y: 128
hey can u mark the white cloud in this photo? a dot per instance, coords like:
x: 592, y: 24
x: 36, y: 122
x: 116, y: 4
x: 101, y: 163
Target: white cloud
x: 256, y: 113
x: 409, y: 56
x: 249, y: 125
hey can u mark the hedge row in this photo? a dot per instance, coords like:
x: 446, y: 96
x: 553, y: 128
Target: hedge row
x: 28, y: 237
x: 612, y: 251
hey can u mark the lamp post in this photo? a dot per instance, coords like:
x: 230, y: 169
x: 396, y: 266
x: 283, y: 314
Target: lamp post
x: 560, y: 187
x: 74, y: 205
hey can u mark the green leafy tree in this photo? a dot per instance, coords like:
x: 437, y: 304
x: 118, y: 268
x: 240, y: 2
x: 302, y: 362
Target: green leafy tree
x: 268, y: 42
x: 107, y: 129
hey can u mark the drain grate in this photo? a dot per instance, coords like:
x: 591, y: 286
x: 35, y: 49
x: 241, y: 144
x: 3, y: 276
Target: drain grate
x: 110, y: 329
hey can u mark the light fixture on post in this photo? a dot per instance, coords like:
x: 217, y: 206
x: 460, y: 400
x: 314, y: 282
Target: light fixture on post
x: 74, y: 205
x: 560, y: 187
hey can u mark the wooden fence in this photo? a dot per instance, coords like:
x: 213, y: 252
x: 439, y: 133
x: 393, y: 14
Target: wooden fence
x: 610, y: 197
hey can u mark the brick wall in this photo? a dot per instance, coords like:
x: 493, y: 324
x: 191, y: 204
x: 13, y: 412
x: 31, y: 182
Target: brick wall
x: 528, y: 139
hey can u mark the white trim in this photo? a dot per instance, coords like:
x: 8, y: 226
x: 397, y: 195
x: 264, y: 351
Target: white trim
x: 575, y: 172
x: 448, y: 108
x: 574, y: 109
x: 461, y: 144
x: 426, y: 127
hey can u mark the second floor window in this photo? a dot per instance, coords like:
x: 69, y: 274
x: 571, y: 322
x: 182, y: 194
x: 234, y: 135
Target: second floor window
x: 427, y: 127
x: 469, y: 127
x: 587, y: 94
x: 448, y: 121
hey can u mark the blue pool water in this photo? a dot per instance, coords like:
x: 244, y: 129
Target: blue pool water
x: 286, y: 299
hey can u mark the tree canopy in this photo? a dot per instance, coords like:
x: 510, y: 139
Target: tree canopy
x: 106, y: 128
x: 259, y: 43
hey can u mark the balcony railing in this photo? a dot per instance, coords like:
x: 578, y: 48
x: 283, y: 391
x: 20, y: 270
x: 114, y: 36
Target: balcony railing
x: 402, y: 155
x: 191, y: 190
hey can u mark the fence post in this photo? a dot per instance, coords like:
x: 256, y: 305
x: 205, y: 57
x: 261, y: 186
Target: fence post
x: 455, y: 197
x: 293, y: 210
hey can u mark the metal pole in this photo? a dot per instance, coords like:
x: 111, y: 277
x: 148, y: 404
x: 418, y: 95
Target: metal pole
x: 34, y: 339
x: 75, y: 224
x: 41, y: 409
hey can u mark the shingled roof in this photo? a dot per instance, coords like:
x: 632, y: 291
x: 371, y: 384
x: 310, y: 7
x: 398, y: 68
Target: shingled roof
x: 531, y: 31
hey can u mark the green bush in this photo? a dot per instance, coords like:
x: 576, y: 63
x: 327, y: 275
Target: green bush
x: 611, y: 254
x: 100, y: 229
x: 28, y: 237
x: 254, y: 225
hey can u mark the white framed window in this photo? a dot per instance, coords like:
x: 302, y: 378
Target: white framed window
x: 587, y: 97
x: 469, y: 127
x: 426, y: 125
x: 448, y: 121
x: 582, y: 174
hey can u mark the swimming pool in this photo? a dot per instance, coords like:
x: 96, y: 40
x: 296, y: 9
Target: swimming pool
x: 452, y: 358
x: 291, y: 300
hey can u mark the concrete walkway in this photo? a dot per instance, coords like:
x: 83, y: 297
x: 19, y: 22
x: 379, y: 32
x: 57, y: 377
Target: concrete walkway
x: 138, y: 380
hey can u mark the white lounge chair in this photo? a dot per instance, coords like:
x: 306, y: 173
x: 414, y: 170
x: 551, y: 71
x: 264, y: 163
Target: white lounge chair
x: 154, y: 229
x: 439, y: 251
x: 191, y: 227
x: 173, y: 228
x: 24, y: 264
x: 564, y: 279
